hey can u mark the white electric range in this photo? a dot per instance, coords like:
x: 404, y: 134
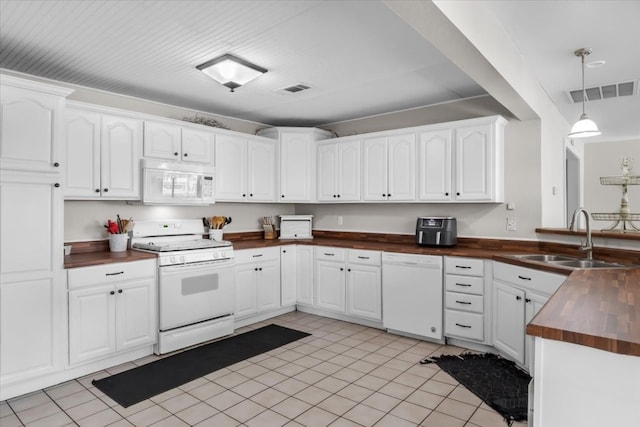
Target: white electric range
x: 196, y: 284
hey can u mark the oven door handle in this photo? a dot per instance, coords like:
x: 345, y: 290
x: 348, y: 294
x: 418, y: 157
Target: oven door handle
x: 196, y: 266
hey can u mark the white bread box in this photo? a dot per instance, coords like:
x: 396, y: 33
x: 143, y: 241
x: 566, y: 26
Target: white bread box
x: 295, y: 227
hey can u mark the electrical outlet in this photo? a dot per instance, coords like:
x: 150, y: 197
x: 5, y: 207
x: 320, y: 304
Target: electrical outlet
x: 511, y: 223
x: 339, y: 220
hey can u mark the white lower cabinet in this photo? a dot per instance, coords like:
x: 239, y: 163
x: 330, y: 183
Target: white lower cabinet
x: 518, y: 294
x: 257, y: 281
x: 112, y: 308
x: 305, y: 275
x: 288, y: 275
x: 349, y: 282
x: 464, y: 301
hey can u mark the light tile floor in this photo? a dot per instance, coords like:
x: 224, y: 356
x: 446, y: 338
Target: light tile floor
x: 342, y: 375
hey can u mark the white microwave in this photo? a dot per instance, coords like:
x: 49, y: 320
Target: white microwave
x: 167, y: 183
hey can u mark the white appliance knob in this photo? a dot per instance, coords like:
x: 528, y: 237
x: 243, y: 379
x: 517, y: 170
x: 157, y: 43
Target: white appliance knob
x: 182, y: 258
x: 172, y: 259
x: 216, y: 255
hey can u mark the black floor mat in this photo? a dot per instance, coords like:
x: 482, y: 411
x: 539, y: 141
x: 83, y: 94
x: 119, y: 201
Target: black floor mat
x: 497, y: 381
x: 135, y: 385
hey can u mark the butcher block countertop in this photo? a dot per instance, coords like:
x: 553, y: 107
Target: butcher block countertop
x: 595, y: 308
x: 598, y: 308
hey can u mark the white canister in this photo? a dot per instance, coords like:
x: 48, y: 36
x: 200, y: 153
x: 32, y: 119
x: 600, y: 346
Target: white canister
x: 216, y: 234
x: 118, y: 242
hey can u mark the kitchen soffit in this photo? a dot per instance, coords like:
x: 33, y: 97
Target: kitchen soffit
x: 358, y: 57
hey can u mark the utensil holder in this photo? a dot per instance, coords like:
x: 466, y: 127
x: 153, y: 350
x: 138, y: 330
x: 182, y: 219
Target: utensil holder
x: 270, y: 235
x: 216, y: 234
x: 118, y: 242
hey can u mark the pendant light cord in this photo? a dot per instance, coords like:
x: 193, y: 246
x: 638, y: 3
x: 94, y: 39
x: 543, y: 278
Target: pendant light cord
x: 584, y: 91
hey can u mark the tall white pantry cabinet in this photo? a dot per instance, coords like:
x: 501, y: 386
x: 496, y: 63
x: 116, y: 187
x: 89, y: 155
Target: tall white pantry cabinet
x: 33, y: 337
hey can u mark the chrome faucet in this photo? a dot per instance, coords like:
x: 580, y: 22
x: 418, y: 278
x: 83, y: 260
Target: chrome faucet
x: 585, y: 245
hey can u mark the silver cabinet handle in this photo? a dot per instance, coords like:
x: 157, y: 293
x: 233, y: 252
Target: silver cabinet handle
x: 327, y: 254
x: 363, y: 257
x: 462, y: 326
x: 257, y: 255
x: 524, y: 278
x: 466, y: 285
x: 463, y: 302
x: 463, y: 266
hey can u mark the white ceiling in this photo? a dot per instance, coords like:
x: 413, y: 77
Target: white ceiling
x: 359, y: 58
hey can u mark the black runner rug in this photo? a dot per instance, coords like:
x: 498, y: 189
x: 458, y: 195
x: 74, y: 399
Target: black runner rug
x: 135, y: 385
x: 499, y: 382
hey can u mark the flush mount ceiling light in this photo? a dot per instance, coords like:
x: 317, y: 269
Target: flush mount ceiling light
x: 231, y: 71
x: 584, y: 127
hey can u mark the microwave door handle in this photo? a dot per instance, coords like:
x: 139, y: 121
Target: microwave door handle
x: 437, y: 238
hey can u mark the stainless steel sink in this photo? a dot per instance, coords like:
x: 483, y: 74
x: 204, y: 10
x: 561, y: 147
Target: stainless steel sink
x: 587, y: 263
x: 546, y: 257
x: 568, y: 262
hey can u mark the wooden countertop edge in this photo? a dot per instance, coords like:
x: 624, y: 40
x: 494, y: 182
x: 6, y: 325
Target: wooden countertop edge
x: 629, y: 235
x: 88, y: 259
x: 581, y: 289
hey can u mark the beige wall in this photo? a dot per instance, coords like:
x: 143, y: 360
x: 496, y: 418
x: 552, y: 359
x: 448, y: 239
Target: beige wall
x: 83, y: 220
x: 603, y: 159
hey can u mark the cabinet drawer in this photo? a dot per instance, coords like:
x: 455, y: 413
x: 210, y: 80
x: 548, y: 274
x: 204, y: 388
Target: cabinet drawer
x: 464, y: 302
x: 539, y: 281
x: 464, y: 266
x: 246, y: 256
x: 464, y: 284
x: 357, y: 256
x: 330, y: 254
x: 82, y: 277
x: 464, y: 325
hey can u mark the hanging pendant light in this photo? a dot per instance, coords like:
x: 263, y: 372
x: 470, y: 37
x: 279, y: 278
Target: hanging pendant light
x: 585, y: 127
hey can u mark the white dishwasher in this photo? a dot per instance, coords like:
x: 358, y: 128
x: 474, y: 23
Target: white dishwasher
x: 412, y: 294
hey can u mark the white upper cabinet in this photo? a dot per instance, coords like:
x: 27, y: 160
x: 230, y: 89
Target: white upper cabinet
x: 173, y: 142
x: 339, y: 171
x: 297, y: 166
x: 261, y: 161
x: 30, y: 120
x: 435, y: 165
x: 245, y: 169
x: 462, y: 161
x: 102, y: 155
x: 120, y: 150
x: 389, y: 168
x: 479, y: 161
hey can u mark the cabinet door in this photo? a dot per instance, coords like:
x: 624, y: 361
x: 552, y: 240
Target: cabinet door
x: 348, y: 172
x: 374, y: 164
x: 231, y: 168
x: 330, y: 280
x: 197, y: 146
x: 135, y: 314
x: 327, y: 172
x: 364, y: 291
x: 474, y: 164
x: 82, y: 154
x: 297, y: 167
x: 246, y: 290
x: 91, y: 323
x: 29, y: 126
x: 508, y: 320
x: 305, y: 276
x: 32, y: 292
x: 288, y: 276
x: 435, y: 166
x: 268, y: 285
x: 162, y: 141
x: 402, y: 167
x: 533, y: 304
x: 121, y: 151
x: 261, y: 168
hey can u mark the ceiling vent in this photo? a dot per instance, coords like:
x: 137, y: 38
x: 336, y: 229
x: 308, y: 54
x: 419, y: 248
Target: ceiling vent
x: 293, y: 89
x: 604, y: 92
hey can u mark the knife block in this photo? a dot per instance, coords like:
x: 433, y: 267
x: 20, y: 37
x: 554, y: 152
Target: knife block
x: 270, y: 235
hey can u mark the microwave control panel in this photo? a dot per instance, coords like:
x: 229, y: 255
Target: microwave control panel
x: 207, y: 186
